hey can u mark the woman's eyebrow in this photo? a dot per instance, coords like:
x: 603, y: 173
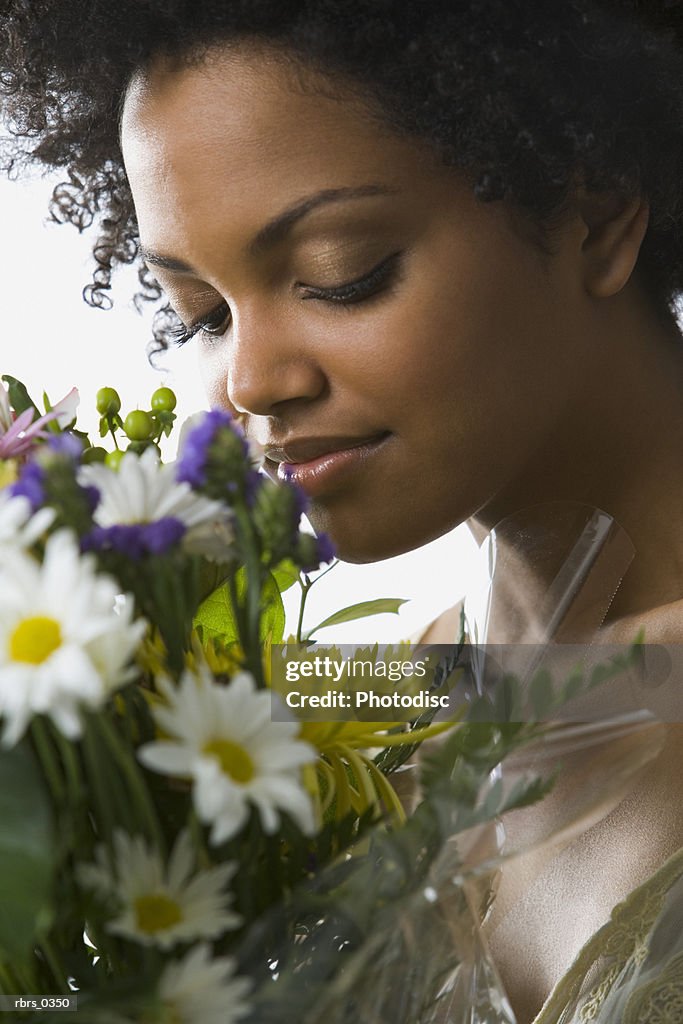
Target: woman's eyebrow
x: 277, y: 229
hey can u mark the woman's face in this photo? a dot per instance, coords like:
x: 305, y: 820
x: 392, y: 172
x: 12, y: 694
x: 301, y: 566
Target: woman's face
x: 387, y: 302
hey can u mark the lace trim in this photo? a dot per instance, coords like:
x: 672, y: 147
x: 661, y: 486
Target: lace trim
x: 599, y: 993
x: 623, y: 938
x: 660, y: 1001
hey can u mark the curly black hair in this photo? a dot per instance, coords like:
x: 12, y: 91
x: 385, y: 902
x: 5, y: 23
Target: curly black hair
x: 524, y: 96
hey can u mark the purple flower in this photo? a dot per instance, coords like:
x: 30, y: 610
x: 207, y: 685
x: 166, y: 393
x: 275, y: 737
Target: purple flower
x: 18, y: 434
x: 312, y: 551
x: 136, y: 540
x: 30, y: 485
x: 65, y: 444
x: 326, y: 549
x: 301, y: 502
x: 191, y: 466
x: 251, y: 485
x: 92, y: 497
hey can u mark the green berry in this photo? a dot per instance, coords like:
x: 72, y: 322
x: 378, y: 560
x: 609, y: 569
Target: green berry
x: 138, y: 425
x: 94, y: 455
x: 138, y: 447
x: 163, y: 400
x: 107, y: 401
x: 113, y: 459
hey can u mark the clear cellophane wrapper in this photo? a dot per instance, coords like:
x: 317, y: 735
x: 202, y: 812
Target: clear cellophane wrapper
x: 396, y: 931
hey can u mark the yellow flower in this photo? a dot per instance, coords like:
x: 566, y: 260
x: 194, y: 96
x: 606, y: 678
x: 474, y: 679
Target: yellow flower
x: 345, y: 777
x: 8, y: 472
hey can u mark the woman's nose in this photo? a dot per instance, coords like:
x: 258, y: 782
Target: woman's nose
x: 267, y: 363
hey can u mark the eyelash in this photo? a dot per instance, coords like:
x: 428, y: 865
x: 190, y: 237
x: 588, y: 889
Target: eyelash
x: 378, y: 279
x: 210, y: 325
x: 363, y: 287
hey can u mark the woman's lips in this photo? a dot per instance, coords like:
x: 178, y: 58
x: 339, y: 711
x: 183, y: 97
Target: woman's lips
x: 315, y: 475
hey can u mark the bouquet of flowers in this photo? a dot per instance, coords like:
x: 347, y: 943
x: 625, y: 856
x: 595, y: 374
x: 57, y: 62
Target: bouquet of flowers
x: 172, y: 850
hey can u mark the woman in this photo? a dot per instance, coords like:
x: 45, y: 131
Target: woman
x: 442, y: 240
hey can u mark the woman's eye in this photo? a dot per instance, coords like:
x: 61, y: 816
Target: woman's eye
x: 214, y: 324
x: 379, y: 278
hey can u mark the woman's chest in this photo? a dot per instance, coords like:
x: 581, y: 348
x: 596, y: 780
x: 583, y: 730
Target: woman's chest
x: 551, y: 901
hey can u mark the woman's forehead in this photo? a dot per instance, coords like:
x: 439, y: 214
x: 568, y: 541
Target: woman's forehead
x: 238, y: 135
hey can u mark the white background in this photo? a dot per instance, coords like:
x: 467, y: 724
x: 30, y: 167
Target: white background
x: 52, y: 340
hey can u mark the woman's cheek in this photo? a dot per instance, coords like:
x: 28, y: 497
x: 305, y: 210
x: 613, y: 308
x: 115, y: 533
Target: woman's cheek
x: 213, y: 372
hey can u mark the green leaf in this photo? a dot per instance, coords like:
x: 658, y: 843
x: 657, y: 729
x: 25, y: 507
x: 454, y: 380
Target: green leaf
x: 272, y: 612
x: 286, y: 574
x: 360, y: 611
x: 541, y: 694
x: 216, y: 615
x: 27, y: 844
x: 53, y: 425
x: 212, y: 576
x: 573, y: 686
x: 18, y: 395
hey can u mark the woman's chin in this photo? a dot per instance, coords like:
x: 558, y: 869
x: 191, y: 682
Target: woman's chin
x: 361, y: 541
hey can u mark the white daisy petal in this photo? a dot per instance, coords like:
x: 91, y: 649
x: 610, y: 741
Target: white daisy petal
x: 19, y: 527
x: 168, y: 758
x: 223, y: 737
x: 198, y: 988
x: 62, y: 635
x: 158, y: 904
x: 143, y: 490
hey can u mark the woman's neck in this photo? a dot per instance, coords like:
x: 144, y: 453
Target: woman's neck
x: 619, y: 449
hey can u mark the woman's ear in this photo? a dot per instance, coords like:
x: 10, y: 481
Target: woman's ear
x: 614, y: 231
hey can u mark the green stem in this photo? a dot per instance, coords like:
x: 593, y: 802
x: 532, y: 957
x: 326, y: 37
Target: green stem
x: 49, y: 761
x: 133, y: 776
x: 52, y: 958
x: 366, y: 788
x: 254, y: 587
x: 166, y: 608
x: 74, y: 781
x: 342, y: 787
x: 238, y: 612
x: 305, y: 587
x: 195, y: 829
x: 326, y: 802
x: 97, y: 783
x: 27, y: 980
x: 7, y: 984
x: 387, y: 792
x: 324, y: 572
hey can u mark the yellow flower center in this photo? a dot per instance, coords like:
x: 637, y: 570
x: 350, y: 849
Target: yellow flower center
x: 233, y: 759
x: 35, y: 639
x: 8, y: 471
x: 156, y: 911
x: 170, y: 1015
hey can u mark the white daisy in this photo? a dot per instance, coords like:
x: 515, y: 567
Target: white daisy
x: 161, y: 905
x: 144, y: 491
x: 200, y: 989
x: 65, y: 639
x: 19, y: 527
x: 224, y: 739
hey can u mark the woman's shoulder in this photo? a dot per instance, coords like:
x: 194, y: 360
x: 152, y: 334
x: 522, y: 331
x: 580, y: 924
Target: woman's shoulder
x: 660, y: 625
x: 445, y: 629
